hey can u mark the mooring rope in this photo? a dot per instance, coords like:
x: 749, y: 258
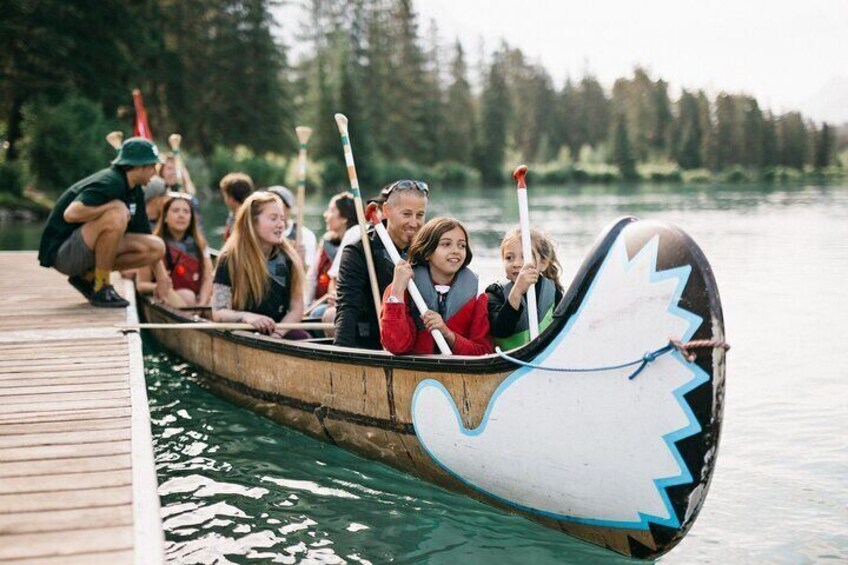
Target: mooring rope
x: 685, y: 350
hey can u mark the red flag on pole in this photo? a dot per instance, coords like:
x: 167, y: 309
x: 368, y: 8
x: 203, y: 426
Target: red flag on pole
x: 142, y: 128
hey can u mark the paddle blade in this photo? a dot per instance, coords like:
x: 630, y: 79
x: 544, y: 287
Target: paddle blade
x: 341, y: 123
x: 303, y: 134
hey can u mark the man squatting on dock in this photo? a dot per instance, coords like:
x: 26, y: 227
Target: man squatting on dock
x: 100, y: 224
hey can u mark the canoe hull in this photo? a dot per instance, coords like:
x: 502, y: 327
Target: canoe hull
x: 366, y: 402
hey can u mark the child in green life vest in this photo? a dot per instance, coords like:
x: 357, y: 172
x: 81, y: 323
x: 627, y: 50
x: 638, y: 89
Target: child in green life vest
x: 507, y: 298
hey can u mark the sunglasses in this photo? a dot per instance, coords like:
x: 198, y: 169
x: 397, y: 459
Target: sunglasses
x: 407, y: 184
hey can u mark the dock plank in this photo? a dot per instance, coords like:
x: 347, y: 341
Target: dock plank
x: 65, y: 481
x: 64, y: 438
x: 72, y: 498
x: 71, y: 542
x: 88, y: 464
x: 42, y: 452
x: 58, y: 520
x: 105, y: 423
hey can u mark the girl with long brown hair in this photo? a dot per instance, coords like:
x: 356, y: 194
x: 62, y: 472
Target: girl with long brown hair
x: 438, y: 262
x: 187, y: 257
x: 259, y: 277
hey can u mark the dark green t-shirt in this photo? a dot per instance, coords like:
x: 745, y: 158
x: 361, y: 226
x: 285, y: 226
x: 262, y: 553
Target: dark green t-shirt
x: 100, y: 188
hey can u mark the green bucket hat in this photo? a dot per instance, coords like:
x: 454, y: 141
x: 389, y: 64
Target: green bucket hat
x: 137, y: 152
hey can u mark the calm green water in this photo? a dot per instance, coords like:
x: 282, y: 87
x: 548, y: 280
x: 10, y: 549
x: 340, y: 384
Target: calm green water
x: 237, y: 488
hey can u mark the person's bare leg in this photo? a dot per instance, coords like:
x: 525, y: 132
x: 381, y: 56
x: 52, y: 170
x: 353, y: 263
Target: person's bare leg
x: 104, y: 235
x: 188, y: 296
x: 139, y: 250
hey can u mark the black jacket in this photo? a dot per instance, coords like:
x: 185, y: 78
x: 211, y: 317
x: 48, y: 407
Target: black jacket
x: 356, y: 321
x: 502, y: 316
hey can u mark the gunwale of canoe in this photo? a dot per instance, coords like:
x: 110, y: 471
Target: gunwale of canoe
x: 362, y: 400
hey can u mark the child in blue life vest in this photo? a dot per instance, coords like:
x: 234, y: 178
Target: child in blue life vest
x: 438, y: 263
x: 507, y: 298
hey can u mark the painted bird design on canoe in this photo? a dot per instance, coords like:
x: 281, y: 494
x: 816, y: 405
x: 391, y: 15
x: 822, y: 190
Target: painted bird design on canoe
x: 591, y: 447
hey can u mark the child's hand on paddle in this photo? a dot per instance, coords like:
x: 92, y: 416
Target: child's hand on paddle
x: 402, y: 276
x: 433, y: 321
x: 527, y: 277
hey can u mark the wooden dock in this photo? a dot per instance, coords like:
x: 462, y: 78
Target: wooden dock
x: 77, y: 479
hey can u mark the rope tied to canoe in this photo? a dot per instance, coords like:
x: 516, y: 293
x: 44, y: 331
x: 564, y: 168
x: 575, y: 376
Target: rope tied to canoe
x: 685, y: 350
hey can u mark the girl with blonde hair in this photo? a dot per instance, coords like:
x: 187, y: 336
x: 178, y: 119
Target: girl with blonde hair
x: 259, y: 277
x: 507, y: 298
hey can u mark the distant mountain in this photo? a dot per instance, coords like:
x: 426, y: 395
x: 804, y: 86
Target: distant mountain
x: 830, y: 103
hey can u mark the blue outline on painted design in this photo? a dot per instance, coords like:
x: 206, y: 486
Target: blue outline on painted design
x: 699, y: 376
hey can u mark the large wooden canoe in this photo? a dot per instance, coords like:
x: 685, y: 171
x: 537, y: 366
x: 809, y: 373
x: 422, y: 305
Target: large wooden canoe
x: 620, y: 461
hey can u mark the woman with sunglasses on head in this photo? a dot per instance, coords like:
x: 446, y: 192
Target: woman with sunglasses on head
x: 438, y: 263
x: 186, y: 255
x: 356, y: 322
x: 259, y: 277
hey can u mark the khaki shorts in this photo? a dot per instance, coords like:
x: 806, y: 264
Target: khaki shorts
x: 74, y: 257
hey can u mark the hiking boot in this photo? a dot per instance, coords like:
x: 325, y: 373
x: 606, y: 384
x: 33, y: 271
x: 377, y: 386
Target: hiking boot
x: 85, y: 287
x: 107, y: 297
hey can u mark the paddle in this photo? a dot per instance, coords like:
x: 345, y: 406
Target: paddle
x: 115, y: 139
x: 341, y: 122
x: 526, y: 246
x: 316, y: 304
x: 412, y: 288
x: 223, y: 326
x: 303, y: 134
x: 183, y: 180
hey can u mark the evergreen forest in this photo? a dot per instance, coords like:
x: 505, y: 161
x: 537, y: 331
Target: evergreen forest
x: 222, y: 73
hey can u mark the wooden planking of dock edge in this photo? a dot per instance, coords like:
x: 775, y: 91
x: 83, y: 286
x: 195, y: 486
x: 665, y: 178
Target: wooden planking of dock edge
x: 77, y: 476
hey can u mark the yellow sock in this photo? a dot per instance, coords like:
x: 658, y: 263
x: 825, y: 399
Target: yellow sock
x: 101, y: 278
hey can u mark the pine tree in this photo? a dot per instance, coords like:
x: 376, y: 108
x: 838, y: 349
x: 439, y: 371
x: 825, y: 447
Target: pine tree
x: 824, y: 147
x: 752, y: 133
x: 792, y: 136
x: 726, y: 126
x: 496, y: 113
x: 689, y: 138
x: 595, y: 113
x: 460, y: 126
x: 622, y: 153
x: 770, y: 149
x: 569, y: 122
x: 352, y: 106
x: 406, y: 108
x: 662, y: 118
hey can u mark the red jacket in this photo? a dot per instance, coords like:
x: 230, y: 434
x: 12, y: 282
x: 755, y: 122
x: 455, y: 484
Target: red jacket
x: 400, y: 335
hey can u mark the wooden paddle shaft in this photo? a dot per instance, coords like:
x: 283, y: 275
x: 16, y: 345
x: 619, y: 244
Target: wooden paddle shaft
x: 223, y: 326
x: 341, y: 122
x: 303, y: 134
x: 316, y: 304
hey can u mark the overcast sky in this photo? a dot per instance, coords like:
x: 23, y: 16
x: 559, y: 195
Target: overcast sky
x: 785, y: 52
